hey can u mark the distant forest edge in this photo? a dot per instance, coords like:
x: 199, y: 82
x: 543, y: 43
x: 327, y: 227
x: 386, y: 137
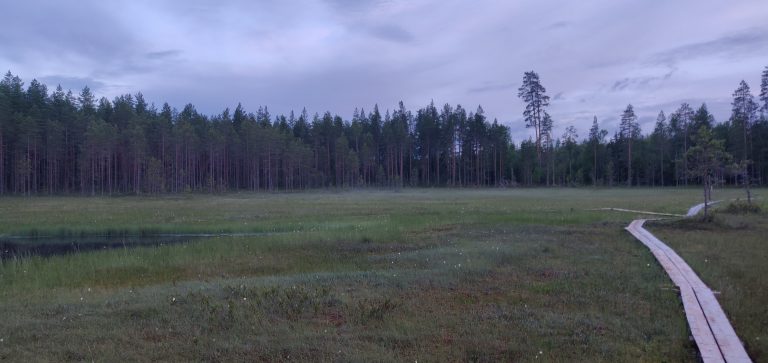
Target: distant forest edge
x: 60, y: 143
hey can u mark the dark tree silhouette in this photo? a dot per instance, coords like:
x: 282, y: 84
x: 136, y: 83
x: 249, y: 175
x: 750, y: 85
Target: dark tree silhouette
x: 57, y: 142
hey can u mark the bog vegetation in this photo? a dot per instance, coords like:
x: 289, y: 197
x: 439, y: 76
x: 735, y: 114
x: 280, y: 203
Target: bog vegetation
x: 414, y: 275
x: 59, y: 142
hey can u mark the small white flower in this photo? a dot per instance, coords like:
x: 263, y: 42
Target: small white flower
x: 245, y: 298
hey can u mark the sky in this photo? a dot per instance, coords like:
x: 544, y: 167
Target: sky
x: 593, y: 56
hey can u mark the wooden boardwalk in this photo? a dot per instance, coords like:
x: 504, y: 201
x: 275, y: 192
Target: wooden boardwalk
x: 714, y: 335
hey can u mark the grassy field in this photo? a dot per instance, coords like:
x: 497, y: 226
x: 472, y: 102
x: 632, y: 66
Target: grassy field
x: 416, y: 275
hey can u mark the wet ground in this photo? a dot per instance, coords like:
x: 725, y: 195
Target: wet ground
x: 22, y: 247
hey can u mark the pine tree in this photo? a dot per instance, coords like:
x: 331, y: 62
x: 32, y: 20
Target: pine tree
x: 569, y: 140
x: 705, y: 158
x: 87, y: 101
x: 702, y: 118
x: 596, y: 138
x: 685, y: 118
x: 5, y: 118
x: 660, y: 137
x: 548, y: 144
x: 629, y: 131
x: 742, y: 115
x: 536, y: 101
x: 141, y: 107
x: 238, y: 117
x: 764, y: 92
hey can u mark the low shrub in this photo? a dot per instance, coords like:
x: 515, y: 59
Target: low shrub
x: 742, y: 207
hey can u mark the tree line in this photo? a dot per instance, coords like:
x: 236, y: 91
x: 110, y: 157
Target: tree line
x: 58, y: 143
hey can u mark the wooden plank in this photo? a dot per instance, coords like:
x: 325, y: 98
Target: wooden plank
x: 724, y: 334
x: 730, y: 344
x: 696, y: 209
x: 702, y: 334
x: 697, y: 321
x: 714, y: 335
x: 639, y: 212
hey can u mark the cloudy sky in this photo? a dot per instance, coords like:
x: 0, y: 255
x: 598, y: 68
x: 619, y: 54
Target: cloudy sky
x: 593, y: 56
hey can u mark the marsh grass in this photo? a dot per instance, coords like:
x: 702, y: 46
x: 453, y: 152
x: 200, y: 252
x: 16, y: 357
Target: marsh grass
x: 428, y: 275
x: 311, y: 212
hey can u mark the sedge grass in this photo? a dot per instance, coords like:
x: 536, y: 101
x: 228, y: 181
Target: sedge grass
x: 428, y: 275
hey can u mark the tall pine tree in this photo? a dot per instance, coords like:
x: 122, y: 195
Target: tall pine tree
x: 660, y: 138
x: 536, y: 101
x: 764, y: 92
x: 742, y: 116
x: 629, y: 130
x: 596, y: 138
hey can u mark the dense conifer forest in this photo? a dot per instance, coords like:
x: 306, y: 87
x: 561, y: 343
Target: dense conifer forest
x: 65, y: 143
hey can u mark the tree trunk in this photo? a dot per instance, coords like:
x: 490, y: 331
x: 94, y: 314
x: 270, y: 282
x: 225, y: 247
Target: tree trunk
x: 629, y: 163
x: 746, y: 166
x: 594, y: 170
x: 706, y: 202
x: 661, y: 164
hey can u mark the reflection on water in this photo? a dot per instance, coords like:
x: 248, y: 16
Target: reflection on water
x: 11, y: 247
